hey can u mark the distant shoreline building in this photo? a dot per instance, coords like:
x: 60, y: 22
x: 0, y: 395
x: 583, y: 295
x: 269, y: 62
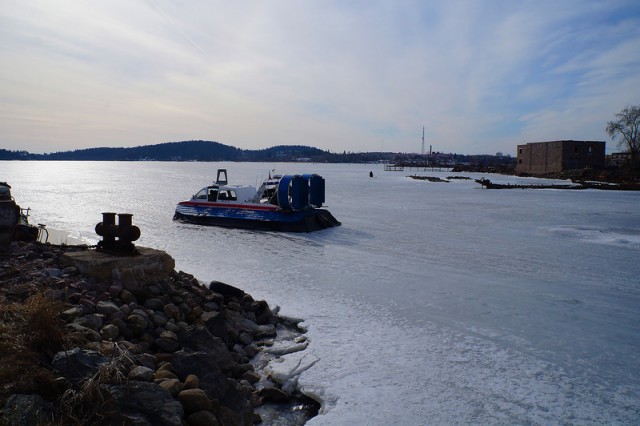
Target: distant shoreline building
x: 558, y: 156
x: 619, y: 159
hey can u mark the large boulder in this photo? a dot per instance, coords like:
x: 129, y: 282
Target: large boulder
x: 215, y: 384
x: 203, y: 365
x: 226, y: 290
x: 148, y: 402
x: 198, y: 338
x: 26, y: 410
x: 194, y: 400
x: 215, y: 323
x: 78, y: 364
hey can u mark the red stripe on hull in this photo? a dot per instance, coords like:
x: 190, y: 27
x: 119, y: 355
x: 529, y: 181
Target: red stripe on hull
x: 265, y: 207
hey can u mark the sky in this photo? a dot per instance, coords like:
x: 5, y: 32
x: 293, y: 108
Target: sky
x: 481, y: 76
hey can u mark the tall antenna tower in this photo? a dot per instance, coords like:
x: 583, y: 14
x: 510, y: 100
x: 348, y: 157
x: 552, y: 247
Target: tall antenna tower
x: 422, y: 140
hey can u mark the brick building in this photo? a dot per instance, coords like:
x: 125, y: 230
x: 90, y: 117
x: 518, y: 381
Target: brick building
x: 557, y: 156
x: 618, y: 159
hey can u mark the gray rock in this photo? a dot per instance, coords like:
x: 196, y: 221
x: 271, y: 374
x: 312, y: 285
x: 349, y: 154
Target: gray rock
x: 125, y: 309
x: 70, y: 271
x: 141, y: 312
x: 78, y: 364
x: 93, y: 321
x: 114, y: 290
x: 245, y: 338
x: 127, y: 297
x: 71, y: 313
x: 251, y: 350
x: 251, y: 376
x: 170, y: 326
x: 186, y: 309
x: 26, y: 410
x: 119, y: 315
x: 167, y: 345
x: 203, y: 418
x: 132, y: 285
x: 239, y: 349
x: 236, y: 407
x: 141, y: 373
x: 137, y: 320
x: 258, y: 330
x: 147, y: 360
x: 239, y: 370
x: 52, y: 272
x: 88, y: 305
x: 215, y: 323
x: 154, y: 304
x: 123, y: 328
x: 263, y: 313
x: 86, y: 285
x: 225, y: 289
x: 198, y: 338
x: 92, y: 335
x: 241, y: 416
x: 273, y: 394
x: 135, y: 330
x: 210, y: 377
x: 147, y: 338
x: 159, y: 319
x: 107, y: 308
x: 110, y: 332
x: 172, y: 311
x: 210, y: 306
x: 148, y: 399
x: 169, y: 335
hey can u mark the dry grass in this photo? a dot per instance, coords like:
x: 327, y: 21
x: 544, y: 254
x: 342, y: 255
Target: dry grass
x: 88, y: 404
x: 30, y: 334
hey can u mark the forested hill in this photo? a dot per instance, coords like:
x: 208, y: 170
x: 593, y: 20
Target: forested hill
x: 215, y: 151
x: 180, y: 151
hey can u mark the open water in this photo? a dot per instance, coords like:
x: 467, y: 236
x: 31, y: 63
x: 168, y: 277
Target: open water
x: 433, y: 303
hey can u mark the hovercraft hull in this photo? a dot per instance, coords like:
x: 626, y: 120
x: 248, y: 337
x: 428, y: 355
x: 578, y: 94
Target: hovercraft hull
x: 257, y: 219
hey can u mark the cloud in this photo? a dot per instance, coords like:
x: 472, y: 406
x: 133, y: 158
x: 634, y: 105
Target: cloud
x: 481, y: 76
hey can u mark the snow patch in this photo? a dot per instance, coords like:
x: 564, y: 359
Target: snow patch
x: 287, y: 370
x: 620, y: 237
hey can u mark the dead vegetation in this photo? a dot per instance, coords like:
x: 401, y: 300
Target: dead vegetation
x: 87, y: 404
x: 30, y: 334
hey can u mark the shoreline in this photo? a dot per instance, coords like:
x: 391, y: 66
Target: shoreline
x: 166, y: 349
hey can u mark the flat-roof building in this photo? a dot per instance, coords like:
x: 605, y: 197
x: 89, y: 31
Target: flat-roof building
x: 558, y: 156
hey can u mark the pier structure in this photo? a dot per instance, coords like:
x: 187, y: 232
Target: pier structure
x: 417, y: 168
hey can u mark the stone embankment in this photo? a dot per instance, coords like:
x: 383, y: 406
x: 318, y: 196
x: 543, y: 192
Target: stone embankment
x: 130, y: 347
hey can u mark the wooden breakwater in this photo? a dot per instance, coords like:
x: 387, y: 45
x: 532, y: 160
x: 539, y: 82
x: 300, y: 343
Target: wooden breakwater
x: 486, y: 183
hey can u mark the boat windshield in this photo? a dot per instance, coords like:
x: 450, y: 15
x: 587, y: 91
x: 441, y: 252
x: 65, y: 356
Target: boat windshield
x: 201, y: 195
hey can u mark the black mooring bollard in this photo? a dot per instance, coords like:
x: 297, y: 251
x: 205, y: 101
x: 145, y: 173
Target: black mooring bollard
x: 117, y: 239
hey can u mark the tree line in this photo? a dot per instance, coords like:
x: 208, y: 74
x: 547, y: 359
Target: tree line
x: 180, y: 151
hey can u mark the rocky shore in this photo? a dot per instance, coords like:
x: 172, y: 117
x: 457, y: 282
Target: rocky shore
x: 163, y: 350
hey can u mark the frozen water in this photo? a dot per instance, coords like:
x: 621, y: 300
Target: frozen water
x: 434, y: 303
